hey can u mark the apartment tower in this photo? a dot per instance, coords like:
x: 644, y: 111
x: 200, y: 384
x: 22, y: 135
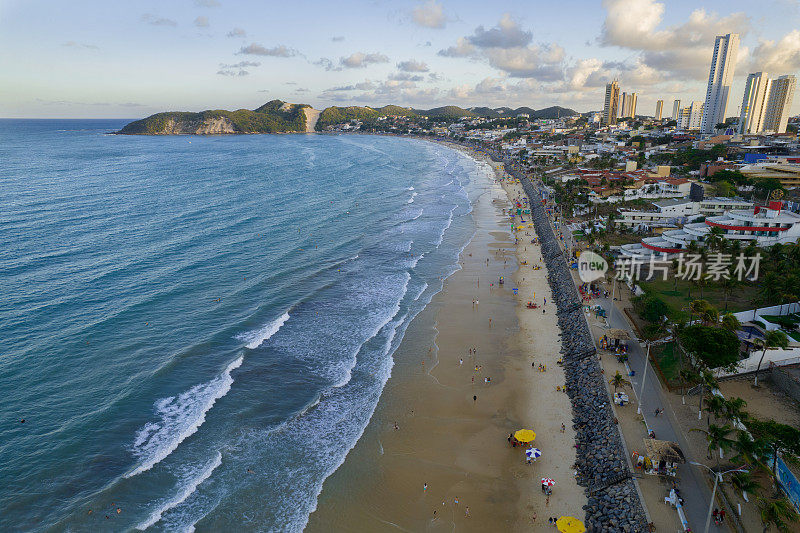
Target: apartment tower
x: 754, y: 103
x: 676, y: 110
x: 611, y: 104
x: 659, y: 109
x: 778, y: 104
x: 720, y: 78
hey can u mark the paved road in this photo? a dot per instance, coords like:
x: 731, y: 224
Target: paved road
x: 693, y: 487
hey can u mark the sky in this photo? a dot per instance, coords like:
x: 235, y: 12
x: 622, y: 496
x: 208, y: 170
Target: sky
x: 133, y: 58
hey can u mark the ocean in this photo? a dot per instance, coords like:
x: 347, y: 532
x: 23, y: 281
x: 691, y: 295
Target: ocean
x: 196, y: 330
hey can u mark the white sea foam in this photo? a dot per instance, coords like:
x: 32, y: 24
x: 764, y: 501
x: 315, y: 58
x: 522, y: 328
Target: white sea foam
x: 411, y: 200
x: 183, y: 493
x: 256, y: 338
x: 179, y: 417
x: 410, y: 188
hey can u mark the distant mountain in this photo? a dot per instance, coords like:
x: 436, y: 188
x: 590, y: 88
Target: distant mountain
x: 486, y: 112
x: 448, y: 111
x: 278, y: 116
x: 273, y: 117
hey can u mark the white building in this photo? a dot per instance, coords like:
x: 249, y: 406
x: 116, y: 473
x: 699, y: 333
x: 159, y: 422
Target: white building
x: 676, y: 109
x: 751, y: 120
x: 659, y: 109
x: 720, y: 78
x: 690, y: 117
x: 765, y: 226
x: 779, y: 103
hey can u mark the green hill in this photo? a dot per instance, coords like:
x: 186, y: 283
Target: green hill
x: 273, y: 117
x: 448, y: 111
x: 340, y: 115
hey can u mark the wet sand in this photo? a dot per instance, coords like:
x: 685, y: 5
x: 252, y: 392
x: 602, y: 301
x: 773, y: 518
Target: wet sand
x: 452, y: 426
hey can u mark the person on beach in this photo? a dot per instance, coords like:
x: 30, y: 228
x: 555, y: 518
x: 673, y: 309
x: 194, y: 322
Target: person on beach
x: 474, y: 398
x: 466, y: 511
x: 424, y: 487
x: 460, y: 362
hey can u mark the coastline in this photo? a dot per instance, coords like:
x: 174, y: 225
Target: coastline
x: 446, y: 438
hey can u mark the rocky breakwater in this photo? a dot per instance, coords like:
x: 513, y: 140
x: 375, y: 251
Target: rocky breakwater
x: 613, y: 501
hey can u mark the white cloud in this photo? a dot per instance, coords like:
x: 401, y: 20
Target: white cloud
x: 233, y: 73
x: 240, y: 64
x: 463, y: 48
x: 541, y: 62
x: 237, y: 32
x: 201, y: 22
x: 429, y: 15
x: 684, y: 49
x: 405, y: 76
x: 337, y: 38
x: 153, y: 20
x: 412, y: 66
x: 361, y: 60
x: 778, y: 58
x: 507, y: 34
x: 276, y: 51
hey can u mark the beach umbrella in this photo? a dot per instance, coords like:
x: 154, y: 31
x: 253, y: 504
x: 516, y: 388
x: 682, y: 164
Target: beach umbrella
x: 525, y: 435
x: 533, y: 453
x: 549, y: 482
x: 568, y: 524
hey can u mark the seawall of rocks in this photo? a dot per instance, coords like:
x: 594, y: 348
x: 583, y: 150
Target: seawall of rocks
x: 613, y: 501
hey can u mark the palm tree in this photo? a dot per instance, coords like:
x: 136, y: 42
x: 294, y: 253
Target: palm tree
x: 733, y: 410
x: 715, y: 405
x: 619, y: 381
x: 730, y: 322
x: 718, y: 439
x: 778, y: 512
x: 728, y: 285
x: 744, y: 483
x: 707, y: 383
x: 715, y: 238
x: 710, y: 315
x: 769, y: 290
x: 696, y: 308
x: 747, y: 450
x: 773, y: 339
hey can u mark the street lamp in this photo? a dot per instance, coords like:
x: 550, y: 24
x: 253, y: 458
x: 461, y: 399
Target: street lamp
x: 717, y: 479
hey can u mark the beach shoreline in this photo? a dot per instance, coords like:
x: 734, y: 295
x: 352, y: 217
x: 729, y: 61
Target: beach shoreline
x: 437, y: 442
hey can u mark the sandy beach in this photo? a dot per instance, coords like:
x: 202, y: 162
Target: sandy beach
x: 435, y: 455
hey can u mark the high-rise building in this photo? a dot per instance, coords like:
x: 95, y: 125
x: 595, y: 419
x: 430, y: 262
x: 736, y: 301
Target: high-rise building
x: 676, y: 110
x: 623, y: 105
x: 696, y: 115
x: 720, y: 77
x: 689, y: 117
x: 631, y: 105
x: 659, y: 109
x: 751, y: 119
x: 611, y: 104
x: 778, y: 104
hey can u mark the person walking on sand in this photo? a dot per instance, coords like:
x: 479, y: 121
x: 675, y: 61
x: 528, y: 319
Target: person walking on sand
x: 474, y: 398
x: 424, y: 487
x: 466, y: 511
x: 460, y: 362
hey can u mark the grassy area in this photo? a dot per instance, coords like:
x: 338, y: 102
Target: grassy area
x: 669, y: 363
x: 617, y: 239
x: 678, y: 300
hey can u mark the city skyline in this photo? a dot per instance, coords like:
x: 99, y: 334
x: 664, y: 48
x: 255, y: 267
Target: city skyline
x: 94, y: 60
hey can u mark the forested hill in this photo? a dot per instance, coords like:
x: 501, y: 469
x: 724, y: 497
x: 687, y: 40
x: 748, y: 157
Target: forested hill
x: 273, y: 117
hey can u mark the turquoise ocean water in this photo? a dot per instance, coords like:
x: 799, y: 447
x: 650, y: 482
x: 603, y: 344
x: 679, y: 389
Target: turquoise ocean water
x: 197, y: 329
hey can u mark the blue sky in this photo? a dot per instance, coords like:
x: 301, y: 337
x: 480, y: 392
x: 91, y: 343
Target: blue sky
x: 133, y: 58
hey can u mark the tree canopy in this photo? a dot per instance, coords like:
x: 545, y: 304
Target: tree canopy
x: 714, y: 347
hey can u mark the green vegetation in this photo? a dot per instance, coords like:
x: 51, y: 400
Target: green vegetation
x: 342, y: 115
x: 272, y: 117
x: 677, y: 294
x: 712, y: 346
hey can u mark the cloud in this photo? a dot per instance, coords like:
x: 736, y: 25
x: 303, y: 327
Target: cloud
x: 412, y: 66
x: 233, y: 73
x: 684, y: 49
x: 276, y: 51
x: 429, y: 15
x: 507, y: 34
x: 206, y: 3
x: 541, y: 62
x: 153, y: 20
x: 405, y: 76
x: 237, y: 32
x: 463, y: 48
x: 240, y: 64
x: 201, y: 22
x: 72, y: 102
x: 75, y: 44
x: 778, y: 58
x: 337, y: 38
x: 361, y: 60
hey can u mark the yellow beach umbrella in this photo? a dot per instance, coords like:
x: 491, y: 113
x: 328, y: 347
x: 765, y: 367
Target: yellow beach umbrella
x: 568, y: 524
x: 525, y: 435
